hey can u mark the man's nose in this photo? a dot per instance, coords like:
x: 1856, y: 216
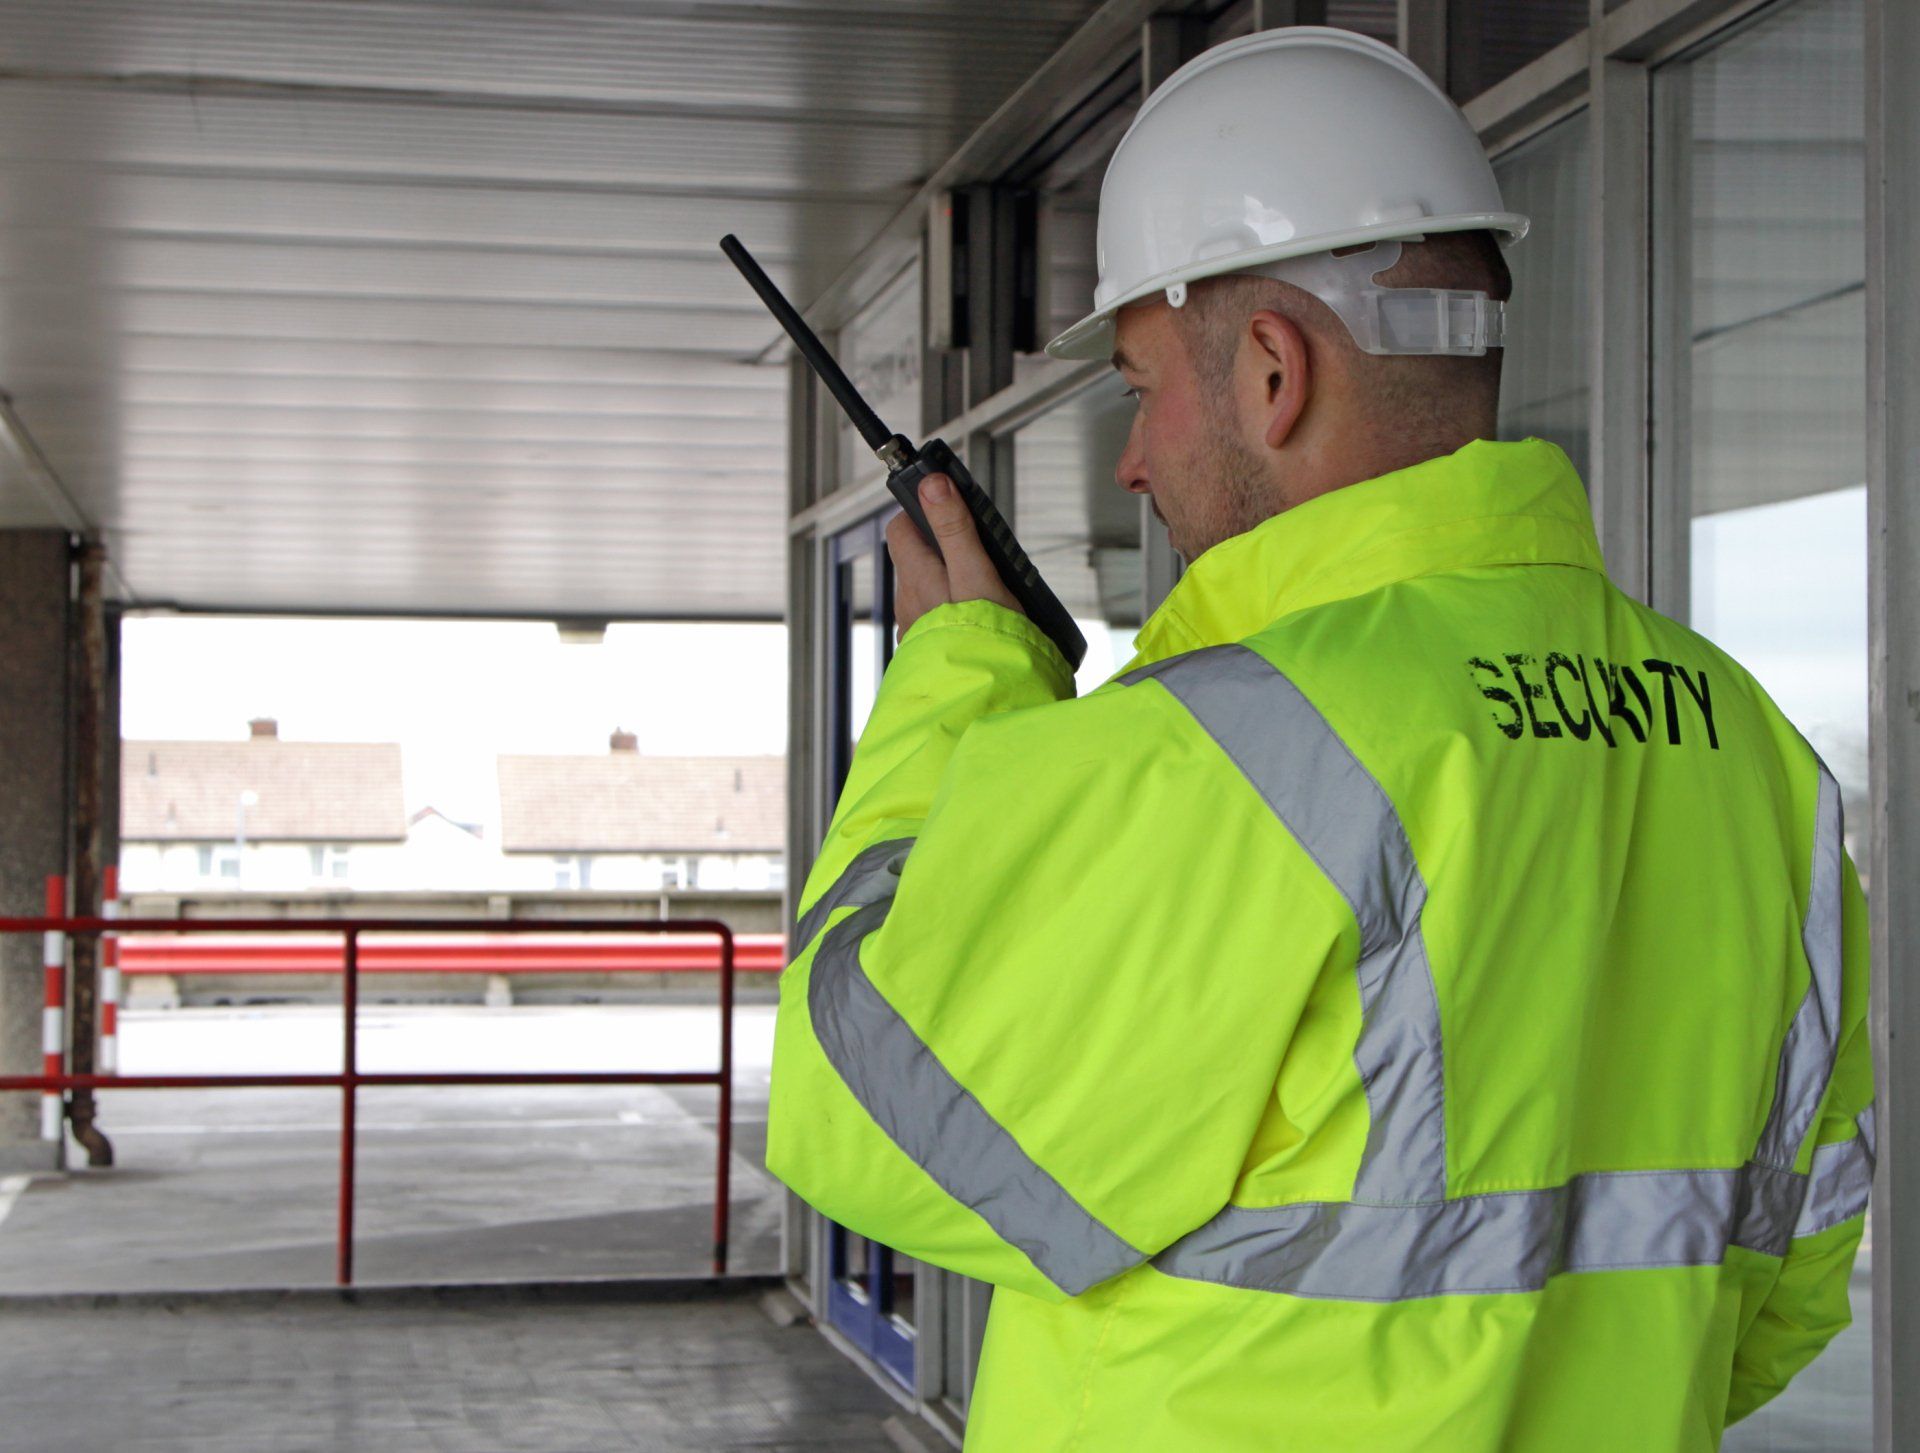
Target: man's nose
x: 1131, y: 472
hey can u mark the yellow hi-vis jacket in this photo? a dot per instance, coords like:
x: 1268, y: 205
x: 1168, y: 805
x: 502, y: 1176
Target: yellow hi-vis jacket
x: 1420, y: 1005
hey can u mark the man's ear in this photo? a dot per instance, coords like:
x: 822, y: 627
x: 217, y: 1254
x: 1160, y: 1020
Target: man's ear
x: 1285, y: 380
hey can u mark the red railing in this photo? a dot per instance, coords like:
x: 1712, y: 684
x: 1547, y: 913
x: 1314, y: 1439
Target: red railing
x: 476, y: 952
x: 351, y: 1078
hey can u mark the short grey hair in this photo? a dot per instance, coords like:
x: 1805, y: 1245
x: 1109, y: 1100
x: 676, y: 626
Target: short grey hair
x: 1420, y: 398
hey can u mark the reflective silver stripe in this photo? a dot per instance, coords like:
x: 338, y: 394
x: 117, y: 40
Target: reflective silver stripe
x: 871, y: 876
x: 1841, y: 1180
x: 1338, y: 813
x: 1508, y: 1242
x: 1807, y: 1053
x: 940, y: 1125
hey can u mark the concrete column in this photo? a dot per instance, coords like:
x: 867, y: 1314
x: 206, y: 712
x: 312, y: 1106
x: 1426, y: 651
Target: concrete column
x: 33, y: 796
x: 1893, y: 692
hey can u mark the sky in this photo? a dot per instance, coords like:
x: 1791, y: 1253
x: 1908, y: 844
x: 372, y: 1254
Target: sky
x: 455, y: 694
x: 1782, y: 588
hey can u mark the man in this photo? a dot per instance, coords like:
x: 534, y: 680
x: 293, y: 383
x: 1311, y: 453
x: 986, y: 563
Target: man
x: 1420, y: 1003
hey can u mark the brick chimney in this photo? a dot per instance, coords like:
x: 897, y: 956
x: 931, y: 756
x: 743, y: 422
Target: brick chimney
x: 263, y: 726
x: 623, y: 741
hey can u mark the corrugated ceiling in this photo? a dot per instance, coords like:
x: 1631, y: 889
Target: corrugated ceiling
x: 414, y: 305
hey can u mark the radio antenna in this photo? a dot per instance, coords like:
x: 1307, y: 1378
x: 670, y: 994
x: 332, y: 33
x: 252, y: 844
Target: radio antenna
x: 818, y: 359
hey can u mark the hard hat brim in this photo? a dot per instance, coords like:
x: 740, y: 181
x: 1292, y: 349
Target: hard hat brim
x: 1092, y: 336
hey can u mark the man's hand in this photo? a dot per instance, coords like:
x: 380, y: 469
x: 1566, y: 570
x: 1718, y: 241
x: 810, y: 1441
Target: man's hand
x: 922, y: 578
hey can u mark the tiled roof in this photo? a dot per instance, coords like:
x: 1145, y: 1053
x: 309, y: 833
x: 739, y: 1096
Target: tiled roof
x: 307, y: 791
x: 634, y: 803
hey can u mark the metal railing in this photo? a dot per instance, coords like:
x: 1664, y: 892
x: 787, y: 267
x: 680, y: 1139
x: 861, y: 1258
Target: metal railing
x: 351, y: 1078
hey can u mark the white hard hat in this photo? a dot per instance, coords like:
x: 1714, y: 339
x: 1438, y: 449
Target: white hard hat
x: 1285, y: 144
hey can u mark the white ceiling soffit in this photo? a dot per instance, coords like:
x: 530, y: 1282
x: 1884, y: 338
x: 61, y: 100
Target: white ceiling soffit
x: 415, y: 306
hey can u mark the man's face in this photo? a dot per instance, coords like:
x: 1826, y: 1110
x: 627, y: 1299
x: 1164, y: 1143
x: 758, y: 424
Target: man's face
x: 1185, y: 452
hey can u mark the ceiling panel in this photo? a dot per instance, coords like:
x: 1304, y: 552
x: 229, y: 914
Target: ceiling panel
x: 415, y: 305
x: 783, y: 57
x: 381, y: 139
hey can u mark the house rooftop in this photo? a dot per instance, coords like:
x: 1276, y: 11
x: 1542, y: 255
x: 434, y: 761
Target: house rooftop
x: 627, y: 801
x: 300, y: 791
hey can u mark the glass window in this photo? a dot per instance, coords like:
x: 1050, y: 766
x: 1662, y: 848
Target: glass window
x: 325, y: 860
x: 1544, y: 388
x: 1774, y: 157
x: 864, y: 659
x: 1081, y: 529
x: 1762, y: 142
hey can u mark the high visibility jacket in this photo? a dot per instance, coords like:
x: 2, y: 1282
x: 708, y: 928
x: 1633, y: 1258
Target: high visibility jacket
x: 1419, y: 1005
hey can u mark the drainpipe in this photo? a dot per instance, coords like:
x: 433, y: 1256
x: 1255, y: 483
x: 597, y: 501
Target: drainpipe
x: 91, y: 760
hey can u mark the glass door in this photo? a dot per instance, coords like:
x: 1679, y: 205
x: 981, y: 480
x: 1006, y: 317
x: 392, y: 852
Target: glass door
x: 870, y: 1289
x: 1760, y: 156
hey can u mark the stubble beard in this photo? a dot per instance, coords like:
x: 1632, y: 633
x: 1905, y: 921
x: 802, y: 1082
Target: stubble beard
x: 1234, y: 487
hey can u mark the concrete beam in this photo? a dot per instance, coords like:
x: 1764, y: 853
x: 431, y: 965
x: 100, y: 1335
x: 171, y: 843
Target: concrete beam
x: 1272, y: 14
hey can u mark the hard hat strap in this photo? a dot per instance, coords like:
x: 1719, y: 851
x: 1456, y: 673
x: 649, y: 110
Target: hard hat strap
x: 1446, y: 321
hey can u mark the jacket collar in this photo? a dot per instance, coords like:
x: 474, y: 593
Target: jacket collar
x: 1485, y: 504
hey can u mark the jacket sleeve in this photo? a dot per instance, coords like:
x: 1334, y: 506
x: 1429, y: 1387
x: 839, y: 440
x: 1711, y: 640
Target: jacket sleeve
x: 1046, y: 970
x: 1808, y: 1302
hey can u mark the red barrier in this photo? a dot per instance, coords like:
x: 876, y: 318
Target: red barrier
x: 482, y: 953
x: 110, y: 974
x: 55, y: 1085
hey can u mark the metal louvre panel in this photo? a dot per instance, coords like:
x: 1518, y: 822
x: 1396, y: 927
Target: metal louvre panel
x: 815, y: 232
x: 330, y: 258
x: 778, y: 55
x: 270, y: 134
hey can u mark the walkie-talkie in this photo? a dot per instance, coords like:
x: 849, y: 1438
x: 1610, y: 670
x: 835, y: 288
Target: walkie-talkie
x: 907, y: 466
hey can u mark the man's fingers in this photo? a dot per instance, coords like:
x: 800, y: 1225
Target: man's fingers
x: 919, y: 577
x: 970, y: 572
x: 911, y: 554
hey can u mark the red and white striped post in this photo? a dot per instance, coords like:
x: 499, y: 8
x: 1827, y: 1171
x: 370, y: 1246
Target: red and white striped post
x: 110, y: 975
x: 53, y: 1020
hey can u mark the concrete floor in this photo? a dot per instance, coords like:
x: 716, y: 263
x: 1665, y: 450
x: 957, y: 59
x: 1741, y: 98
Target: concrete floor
x: 219, y: 1190
x: 226, y: 1190
x: 448, y: 1374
